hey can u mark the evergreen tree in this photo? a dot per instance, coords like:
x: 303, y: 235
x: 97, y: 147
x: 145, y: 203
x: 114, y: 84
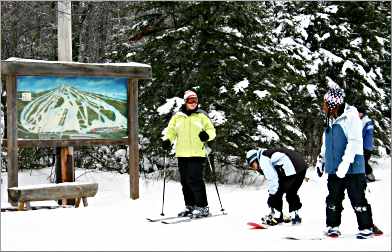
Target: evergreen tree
x: 350, y: 47
x: 261, y: 68
x: 217, y: 47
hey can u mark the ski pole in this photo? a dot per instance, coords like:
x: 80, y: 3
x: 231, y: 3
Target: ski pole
x: 214, y: 175
x: 164, y: 182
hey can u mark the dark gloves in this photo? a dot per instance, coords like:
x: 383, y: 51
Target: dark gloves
x: 319, y: 167
x: 166, y: 144
x: 203, y: 136
x: 320, y: 171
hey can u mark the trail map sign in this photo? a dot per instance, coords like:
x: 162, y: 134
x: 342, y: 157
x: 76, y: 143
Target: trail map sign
x: 54, y: 103
x: 71, y: 107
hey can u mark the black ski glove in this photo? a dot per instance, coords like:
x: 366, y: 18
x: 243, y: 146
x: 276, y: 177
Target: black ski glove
x: 320, y: 171
x: 203, y: 136
x: 166, y: 145
x: 319, y: 167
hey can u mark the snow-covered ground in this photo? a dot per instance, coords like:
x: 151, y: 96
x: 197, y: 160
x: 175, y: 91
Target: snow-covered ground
x: 113, y: 221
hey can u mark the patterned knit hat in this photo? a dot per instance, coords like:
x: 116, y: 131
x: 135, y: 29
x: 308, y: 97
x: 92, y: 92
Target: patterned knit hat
x: 334, y: 97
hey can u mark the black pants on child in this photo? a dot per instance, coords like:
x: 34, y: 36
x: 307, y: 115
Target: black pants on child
x: 193, y: 186
x: 367, y: 154
x: 289, y: 185
x: 356, y: 186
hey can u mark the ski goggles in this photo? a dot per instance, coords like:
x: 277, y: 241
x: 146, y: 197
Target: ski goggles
x: 192, y: 100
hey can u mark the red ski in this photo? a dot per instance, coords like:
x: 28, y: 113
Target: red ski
x: 255, y: 225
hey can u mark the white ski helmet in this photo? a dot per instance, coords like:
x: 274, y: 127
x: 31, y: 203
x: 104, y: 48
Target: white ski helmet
x: 251, y: 156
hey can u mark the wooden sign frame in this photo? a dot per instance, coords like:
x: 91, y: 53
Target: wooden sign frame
x: 14, y: 67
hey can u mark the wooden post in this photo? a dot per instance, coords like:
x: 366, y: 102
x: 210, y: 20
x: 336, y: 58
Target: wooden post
x: 85, y: 203
x: 64, y: 38
x: 12, y: 136
x: 1, y: 111
x: 133, y: 160
x: 67, y: 161
x: 67, y: 169
x: 77, y: 202
x: 64, y: 32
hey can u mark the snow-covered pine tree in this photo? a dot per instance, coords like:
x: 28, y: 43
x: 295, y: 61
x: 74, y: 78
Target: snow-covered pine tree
x: 350, y: 46
x: 226, y: 50
x: 261, y: 68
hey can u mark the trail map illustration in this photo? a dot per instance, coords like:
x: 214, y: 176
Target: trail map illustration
x: 50, y: 107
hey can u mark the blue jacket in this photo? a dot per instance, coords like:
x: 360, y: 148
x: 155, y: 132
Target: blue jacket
x: 367, y: 133
x: 342, y: 144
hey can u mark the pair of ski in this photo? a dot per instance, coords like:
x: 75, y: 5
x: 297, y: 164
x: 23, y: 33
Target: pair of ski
x: 177, y: 219
x: 324, y: 237
x: 255, y: 225
x: 337, y: 234
x: 6, y: 209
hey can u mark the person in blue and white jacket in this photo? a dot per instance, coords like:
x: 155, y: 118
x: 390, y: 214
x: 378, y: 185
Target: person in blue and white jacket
x: 342, y: 158
x: 367, y: 136
x: 285, y: 171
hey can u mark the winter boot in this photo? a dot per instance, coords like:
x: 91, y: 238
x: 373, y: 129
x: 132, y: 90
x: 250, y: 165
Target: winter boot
x: 376, y: 230
x: 187, y: 212
x: 365, y: 233
x: 333, y: 232
x: 295, y: 219
x: 200, y: 212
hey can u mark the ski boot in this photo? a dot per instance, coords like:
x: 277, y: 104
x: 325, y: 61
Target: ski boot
x: 200, y: 212
x: 187, y: 212
x: 295, y: 219
x: 333, y: 232
x: 272, y: 219
x: 365, y: 233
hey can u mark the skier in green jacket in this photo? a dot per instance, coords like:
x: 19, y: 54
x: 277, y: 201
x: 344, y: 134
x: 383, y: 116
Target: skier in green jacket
x: 190, y: 128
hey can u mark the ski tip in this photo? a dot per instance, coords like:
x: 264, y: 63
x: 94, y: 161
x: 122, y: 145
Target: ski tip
x: 291, y: 238
x: 255, y: 225
x: 302, y: 238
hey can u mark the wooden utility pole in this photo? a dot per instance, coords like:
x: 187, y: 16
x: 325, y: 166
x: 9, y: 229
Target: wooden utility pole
x: 64, y: 32
x: 65, y: 171
x: 1, y: 110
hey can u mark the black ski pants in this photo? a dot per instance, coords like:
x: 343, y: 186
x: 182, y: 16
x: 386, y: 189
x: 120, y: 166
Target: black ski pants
x: 367, y: 154
x: 193, y: 186
x: 356, y: 186
x: 289, y: 185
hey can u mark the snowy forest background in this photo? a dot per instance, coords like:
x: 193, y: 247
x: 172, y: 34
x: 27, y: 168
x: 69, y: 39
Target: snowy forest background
x: 260, y: 68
